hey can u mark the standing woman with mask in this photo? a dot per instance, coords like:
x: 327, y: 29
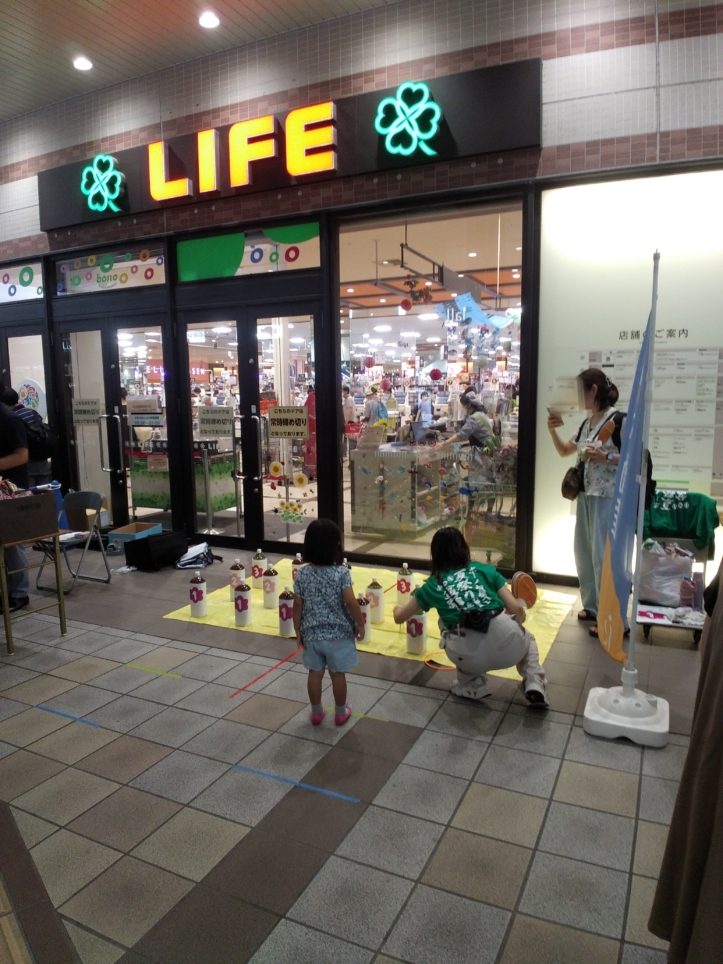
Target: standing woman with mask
x: 594, y: 445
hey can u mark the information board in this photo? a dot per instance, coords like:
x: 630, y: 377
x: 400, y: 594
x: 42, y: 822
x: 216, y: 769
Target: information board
x: 86, y: 411
x: 215, y: 420
x: 291, y: 421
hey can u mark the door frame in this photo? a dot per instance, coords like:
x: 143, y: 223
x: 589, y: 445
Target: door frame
x: 244, y: 314
x: 107, y: 324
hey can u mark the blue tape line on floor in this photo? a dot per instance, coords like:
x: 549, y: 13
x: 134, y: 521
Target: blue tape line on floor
x: 296, y: 783
x: 46, y: 709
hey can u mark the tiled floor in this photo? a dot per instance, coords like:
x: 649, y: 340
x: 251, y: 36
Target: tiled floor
x: 173, y: 822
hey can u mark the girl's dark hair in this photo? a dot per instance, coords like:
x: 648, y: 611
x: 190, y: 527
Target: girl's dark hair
x: 322, y: 543
x: 449, y: 550
x: 607, y: 393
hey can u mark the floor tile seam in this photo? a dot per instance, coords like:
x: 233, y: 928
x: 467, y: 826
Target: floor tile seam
x: 535, y: 850
x: 20, y: 845
x: 89, y: 930
x: 631, y: 872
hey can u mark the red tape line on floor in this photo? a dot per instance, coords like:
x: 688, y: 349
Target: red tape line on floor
x: 269, y: 670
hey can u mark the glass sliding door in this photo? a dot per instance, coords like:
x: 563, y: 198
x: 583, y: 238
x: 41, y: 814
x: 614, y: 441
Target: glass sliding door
x: 289, y: 471
x: 213, y: 385
x: 143, y: 413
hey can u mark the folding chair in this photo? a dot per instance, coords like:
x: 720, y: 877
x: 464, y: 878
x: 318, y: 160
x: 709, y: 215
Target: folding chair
x: 77, y: 502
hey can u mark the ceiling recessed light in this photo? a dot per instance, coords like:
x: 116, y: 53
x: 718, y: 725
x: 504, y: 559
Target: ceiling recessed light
x: 209, y: 20
x: 519, y: 249
x: 432, y: 338
x: 428, y: 284
x: 82, y: 63
x: 385, y: 262
x: 222, y: 330
x: 454, y: 294
x: 376, y: 341
x: 409, y: 334
x: 460, y: 276
x: 429, y: 316
x: 382, y: 301
x: 472, y: 254
x: 296, y: 341
x: 350, y: 291
x: 382, y: 328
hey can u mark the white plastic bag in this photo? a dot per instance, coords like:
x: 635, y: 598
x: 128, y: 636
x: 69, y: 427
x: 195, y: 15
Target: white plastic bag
x: 661, y: 574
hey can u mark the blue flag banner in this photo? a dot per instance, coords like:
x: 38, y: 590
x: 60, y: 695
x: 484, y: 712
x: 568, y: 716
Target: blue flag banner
x: 615, y: 581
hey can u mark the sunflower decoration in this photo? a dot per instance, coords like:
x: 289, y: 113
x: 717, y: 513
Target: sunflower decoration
x: 300, y: 480
x: 276, y: 470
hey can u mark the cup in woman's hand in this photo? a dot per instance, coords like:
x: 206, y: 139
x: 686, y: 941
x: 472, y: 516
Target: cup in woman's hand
x: 554, y: 419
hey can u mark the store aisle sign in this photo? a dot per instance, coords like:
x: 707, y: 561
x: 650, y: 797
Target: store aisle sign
x: 288, y: 421
x: 86, y: 411
x: 478, y: 112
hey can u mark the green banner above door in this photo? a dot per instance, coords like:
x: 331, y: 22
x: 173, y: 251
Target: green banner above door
x: 252, y: 252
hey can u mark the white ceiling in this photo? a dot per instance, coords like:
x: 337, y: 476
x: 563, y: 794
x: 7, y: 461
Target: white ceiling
x: 126, y: 39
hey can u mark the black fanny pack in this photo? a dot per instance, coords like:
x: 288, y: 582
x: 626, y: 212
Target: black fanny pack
x: 479, y: 619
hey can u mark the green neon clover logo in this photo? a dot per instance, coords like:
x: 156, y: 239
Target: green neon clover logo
x: 102, y: 183
x: 409, y: 120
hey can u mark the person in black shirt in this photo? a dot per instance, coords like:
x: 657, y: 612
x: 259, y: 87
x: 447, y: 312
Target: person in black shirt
x: 38, y: 471
x: 14, y: 466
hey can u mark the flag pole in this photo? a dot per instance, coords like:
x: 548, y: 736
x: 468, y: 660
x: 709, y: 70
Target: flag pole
x: 625, y: 710
x: 630, y: 673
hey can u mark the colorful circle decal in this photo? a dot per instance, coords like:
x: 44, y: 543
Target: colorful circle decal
x: 145, y: 254
x: 107, y: 262
x: 292, y: 253
x: 127, y: 256
x: 61, y: 287
x: 39, y: 291
x: 159, y: 260
x: 88, y: 275
x: 148, y: 274
x: 123, y: 278
x: 6, y: 278
x: 75, y: 280
x: 91, y: 260
x: 77, y: 264
x: 11, y: 290
x: 256, y: 255
x: 134, y: 268
x: 26, y: 276
x: 64, y: 267
x: 274, y: 257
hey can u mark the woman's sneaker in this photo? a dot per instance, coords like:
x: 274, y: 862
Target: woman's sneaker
x: 341, y: 718
x: 474, y: 690
x: 535, y: 695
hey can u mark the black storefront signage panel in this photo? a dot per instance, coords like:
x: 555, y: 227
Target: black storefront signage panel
x: 478, y: 112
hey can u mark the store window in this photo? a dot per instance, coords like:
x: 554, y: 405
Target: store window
x: 596, y: 275
x: 430, y: 312
x: 134, y: 267
x: 27, y: 371
x: 21, y: 282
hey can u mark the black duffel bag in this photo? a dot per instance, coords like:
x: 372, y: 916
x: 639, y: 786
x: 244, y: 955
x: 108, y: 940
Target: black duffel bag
x: 155, y: 552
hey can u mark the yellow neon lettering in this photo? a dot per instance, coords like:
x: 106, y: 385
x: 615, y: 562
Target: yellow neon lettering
x: 241, y: 152
x: 208, y: 160
x: 160, y: 187
x: 299, y: 140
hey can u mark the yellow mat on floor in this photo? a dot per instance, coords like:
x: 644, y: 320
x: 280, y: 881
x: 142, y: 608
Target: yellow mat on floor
x: 388, y: 639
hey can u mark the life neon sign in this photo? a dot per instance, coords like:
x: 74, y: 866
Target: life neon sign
x: 308, y: 141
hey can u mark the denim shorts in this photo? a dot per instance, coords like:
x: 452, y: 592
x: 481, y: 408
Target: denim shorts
x: 338, y: 654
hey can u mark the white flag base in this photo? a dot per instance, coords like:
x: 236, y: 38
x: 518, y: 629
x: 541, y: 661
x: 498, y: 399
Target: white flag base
x: 627, y: 711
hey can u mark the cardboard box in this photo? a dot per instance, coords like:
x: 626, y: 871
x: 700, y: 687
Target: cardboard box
x: 28, y: 518
x: 79, y: 520
x: 136, y: 530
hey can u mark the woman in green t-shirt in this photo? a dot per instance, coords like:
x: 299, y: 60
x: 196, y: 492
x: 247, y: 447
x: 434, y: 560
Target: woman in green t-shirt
x: 457, y: 587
